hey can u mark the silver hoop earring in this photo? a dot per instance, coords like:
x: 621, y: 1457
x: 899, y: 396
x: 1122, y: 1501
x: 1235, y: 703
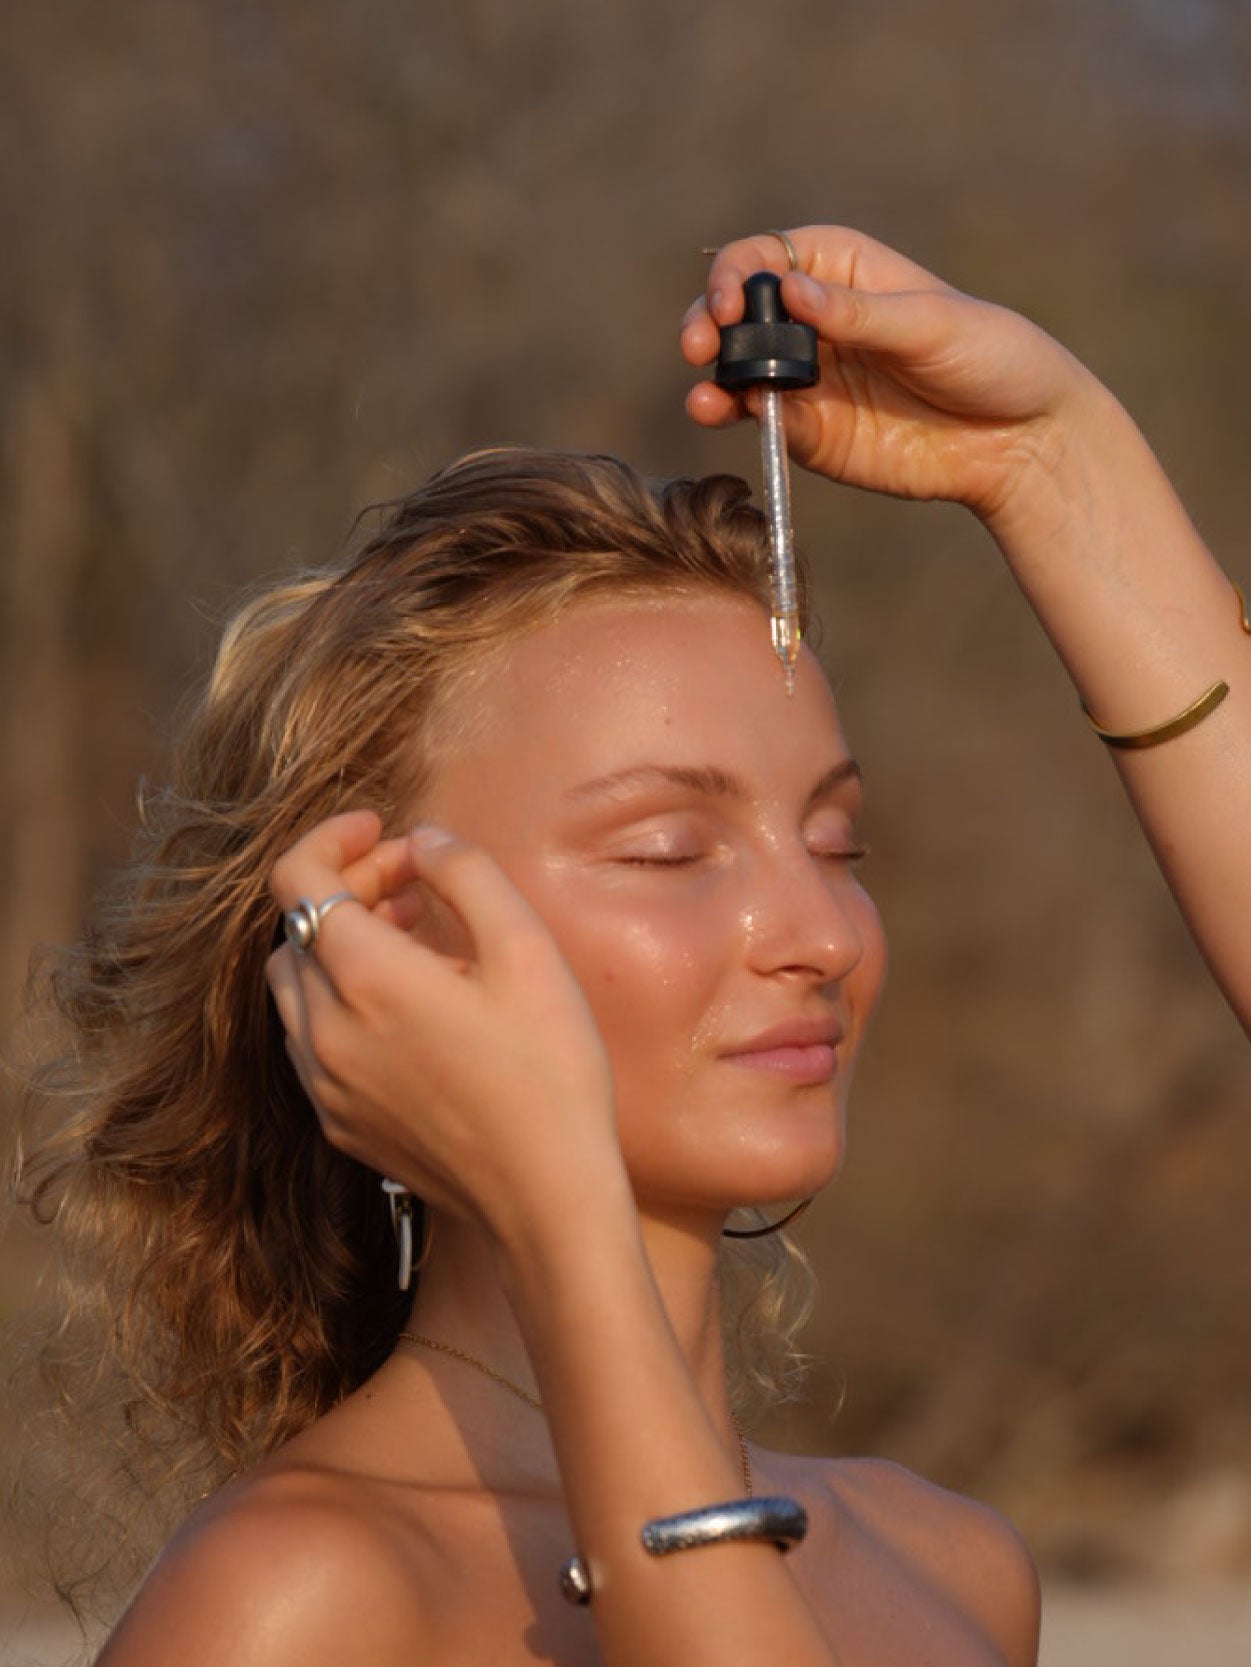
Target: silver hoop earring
x: 403, y: 1208
x: 769, y: 1227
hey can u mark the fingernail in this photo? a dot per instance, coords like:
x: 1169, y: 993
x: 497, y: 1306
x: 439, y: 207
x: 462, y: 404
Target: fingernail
x: 716, y: 301
x: 428, y: 836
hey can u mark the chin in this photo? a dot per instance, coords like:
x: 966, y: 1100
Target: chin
x: 796, y: 1153
x: 789, y: 1188
x: 737, y: 1154
x: 773, y: 1185
x: 782, y: 1172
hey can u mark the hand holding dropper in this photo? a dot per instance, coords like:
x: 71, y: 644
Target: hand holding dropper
x: 927, y: 393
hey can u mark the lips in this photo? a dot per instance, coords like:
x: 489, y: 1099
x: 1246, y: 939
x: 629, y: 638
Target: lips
x: 798, y: 1050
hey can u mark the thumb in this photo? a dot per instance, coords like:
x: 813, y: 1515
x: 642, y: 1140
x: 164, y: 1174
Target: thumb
x: 912, y: 324
x: 508, y: 935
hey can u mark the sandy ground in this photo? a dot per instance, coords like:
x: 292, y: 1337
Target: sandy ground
x: 1210, y: 1627
x: 1207, y: 1627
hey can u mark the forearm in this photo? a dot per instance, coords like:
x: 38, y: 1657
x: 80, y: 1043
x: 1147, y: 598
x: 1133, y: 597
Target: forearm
x: 1145, y: 621
x: 634, y: 1441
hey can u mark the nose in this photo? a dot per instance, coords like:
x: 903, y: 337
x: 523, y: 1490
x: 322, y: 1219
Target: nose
x: 806, y: 917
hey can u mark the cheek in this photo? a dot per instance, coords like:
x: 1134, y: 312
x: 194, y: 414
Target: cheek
x: 650, y: 975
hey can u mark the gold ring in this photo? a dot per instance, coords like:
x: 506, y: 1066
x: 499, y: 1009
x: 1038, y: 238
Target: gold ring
x: 792, y: 259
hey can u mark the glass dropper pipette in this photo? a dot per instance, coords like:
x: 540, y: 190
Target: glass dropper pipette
x: 770, y: 351
x: 777, y: 487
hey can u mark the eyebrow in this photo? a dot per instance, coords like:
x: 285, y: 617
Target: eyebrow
x: 708, y: 779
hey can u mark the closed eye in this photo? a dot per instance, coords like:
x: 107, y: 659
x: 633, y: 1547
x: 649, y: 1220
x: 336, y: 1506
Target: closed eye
x: 660, y: 861
x: 851, y: 854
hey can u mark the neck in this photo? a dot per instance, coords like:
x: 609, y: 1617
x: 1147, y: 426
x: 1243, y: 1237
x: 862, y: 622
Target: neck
x: 461, y: 1300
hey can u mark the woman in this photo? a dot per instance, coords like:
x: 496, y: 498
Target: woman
x: 609, y: 988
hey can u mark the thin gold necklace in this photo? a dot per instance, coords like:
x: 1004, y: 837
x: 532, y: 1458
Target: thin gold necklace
x: 533, y: 1400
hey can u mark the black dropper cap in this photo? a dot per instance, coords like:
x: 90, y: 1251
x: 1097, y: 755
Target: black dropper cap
x: 768, y: 346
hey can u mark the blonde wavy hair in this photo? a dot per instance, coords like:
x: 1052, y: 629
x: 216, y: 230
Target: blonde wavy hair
x: 227, y: 1276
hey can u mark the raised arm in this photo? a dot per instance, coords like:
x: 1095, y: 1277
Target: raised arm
x: 928, y: 393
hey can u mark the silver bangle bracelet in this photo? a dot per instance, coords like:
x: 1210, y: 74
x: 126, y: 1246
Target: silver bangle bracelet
x: 776, y: 1517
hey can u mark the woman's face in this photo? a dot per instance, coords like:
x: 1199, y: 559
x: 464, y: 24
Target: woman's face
x: 687, y: 832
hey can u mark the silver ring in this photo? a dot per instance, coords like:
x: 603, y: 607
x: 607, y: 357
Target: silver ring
x: 302, y: 924
x: 792, y: 259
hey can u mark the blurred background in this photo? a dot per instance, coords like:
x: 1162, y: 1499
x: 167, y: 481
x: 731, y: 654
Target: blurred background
x: 266, y: 261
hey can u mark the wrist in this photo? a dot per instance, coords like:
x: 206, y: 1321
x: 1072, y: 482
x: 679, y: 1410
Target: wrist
x: 584, y: 1216
x: 1071, y: 467
x: 1112, y: 565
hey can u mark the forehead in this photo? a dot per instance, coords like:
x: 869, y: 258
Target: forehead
x: 618, y: 682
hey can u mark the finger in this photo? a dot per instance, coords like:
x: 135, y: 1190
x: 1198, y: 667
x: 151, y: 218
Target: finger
x: 501, y: 923
x: 284, y: 986
x: 406, y: 909
x: 915, y: 324
x: 333, y: 860
x: 713, y: 407
x: 722, y: 302
x: 313, y: 1018
x: 297, y: 1057
x: 299, y: 988
x: 385, y: 882
x: 382, y: 873
x: 283, y: 977
x: 358, y: 960
x: 698, y: 336
x: 321, y: 1092
x: 736, y: 261
x: 842, y: 255
x: 314, y: 866
x: 831, y: 254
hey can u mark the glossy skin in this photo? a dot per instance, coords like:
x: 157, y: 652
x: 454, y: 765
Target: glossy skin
x: 697, y: 907
x: 700, y: 893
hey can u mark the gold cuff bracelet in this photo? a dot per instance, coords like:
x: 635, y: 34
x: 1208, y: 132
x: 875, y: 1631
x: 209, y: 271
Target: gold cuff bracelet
x: 1194, y: 714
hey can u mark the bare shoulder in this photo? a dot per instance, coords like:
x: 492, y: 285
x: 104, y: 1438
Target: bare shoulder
x: 299, y: 1567
x: 964, y: 1548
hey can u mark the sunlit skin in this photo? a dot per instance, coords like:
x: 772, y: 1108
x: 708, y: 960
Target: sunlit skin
x: 688, y: 833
